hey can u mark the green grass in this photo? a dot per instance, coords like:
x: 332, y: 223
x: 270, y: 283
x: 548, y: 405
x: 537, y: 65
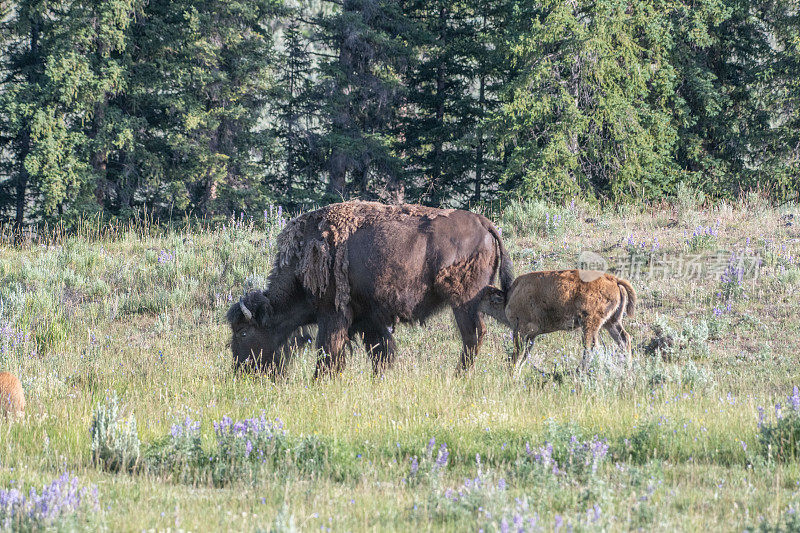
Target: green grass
x: 138, y: 311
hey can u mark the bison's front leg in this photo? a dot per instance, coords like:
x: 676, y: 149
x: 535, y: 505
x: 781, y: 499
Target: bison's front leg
x: 472, y: 329
x: 331, y: 339
x: 380, y: 345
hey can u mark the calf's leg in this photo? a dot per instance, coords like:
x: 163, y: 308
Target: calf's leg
x: 613, y: 329
x: 621, y: 337
x: 626, y: 340
x: 591, y: 333
x: 523, y: 342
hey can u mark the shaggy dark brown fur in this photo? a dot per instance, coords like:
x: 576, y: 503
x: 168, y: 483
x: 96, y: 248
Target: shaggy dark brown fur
x: 555, y: 300
x: 358, y: 268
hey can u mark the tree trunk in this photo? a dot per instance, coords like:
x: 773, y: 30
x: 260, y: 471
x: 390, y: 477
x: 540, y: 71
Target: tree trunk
x: 338, y: 162
x: 210, y: 186
x: 25, y: 141
x: 99, y: 160
x: 479, y: 151
x: 337, y: 173
x: 440, y: 98
x: 22, y: 184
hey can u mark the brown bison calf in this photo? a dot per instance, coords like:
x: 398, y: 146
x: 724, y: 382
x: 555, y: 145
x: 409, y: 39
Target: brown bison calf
x: 558, y: 300
x: 12, y: 400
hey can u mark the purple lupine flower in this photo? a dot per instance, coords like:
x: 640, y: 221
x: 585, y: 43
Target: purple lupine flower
x: 794, y: 399
x: 595, y: 513
x: 559, y: 522
x: 414, y: 466
x: 599, y: 449
x: 501, y: 484
x: 431, y: 445
x: 778, y: 414
x: 188, y: 428
x: 240, y: 438
x: 760, y: 417
x: 61, y: 497
x: 504, y: 526
x: 441, y: 460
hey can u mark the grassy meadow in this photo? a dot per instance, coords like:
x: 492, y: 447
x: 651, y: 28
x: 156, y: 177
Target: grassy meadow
x: 111, y: 325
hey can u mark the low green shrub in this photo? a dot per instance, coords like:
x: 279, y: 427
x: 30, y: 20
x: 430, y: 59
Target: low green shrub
x: 115, y: 443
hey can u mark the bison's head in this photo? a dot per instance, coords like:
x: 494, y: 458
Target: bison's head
x: 254, y: 346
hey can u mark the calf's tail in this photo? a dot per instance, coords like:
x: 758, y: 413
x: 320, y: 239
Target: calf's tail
x: 628, y: 288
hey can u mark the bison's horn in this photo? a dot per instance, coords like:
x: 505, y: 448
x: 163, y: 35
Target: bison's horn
x: 245, y: 311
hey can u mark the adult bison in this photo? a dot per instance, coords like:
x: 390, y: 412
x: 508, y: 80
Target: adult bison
x: 359, y: 268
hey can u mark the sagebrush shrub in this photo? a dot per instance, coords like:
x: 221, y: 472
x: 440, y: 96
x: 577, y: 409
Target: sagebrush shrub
x: 284, y: 522
x: 538, y: 218
x: 115, y: 443
x: 780, y: 437
x: 673, y: 343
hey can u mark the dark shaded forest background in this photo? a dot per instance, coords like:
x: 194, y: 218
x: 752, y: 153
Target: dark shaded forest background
x: 212, y: 108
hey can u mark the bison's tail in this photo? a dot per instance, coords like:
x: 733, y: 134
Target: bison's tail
x: 506, y: 265
x: 628, y: 288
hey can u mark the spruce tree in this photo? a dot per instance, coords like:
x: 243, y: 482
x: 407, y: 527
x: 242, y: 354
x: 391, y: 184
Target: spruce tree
x: 361, y: 91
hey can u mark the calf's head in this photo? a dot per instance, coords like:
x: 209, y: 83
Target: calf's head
x: 493, y: 303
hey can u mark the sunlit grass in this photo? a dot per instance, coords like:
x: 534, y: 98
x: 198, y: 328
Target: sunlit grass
x: 137, y: 310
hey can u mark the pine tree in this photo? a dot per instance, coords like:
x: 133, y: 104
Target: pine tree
x: 92, y: 75
x: 723, y: 57
x: 37, y: 125
x: 587, y: 112
x: 204, y: 81
x: 295, y: 111
x: 362, y: 93
x: 786, y: 94
x: 452, y: 88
